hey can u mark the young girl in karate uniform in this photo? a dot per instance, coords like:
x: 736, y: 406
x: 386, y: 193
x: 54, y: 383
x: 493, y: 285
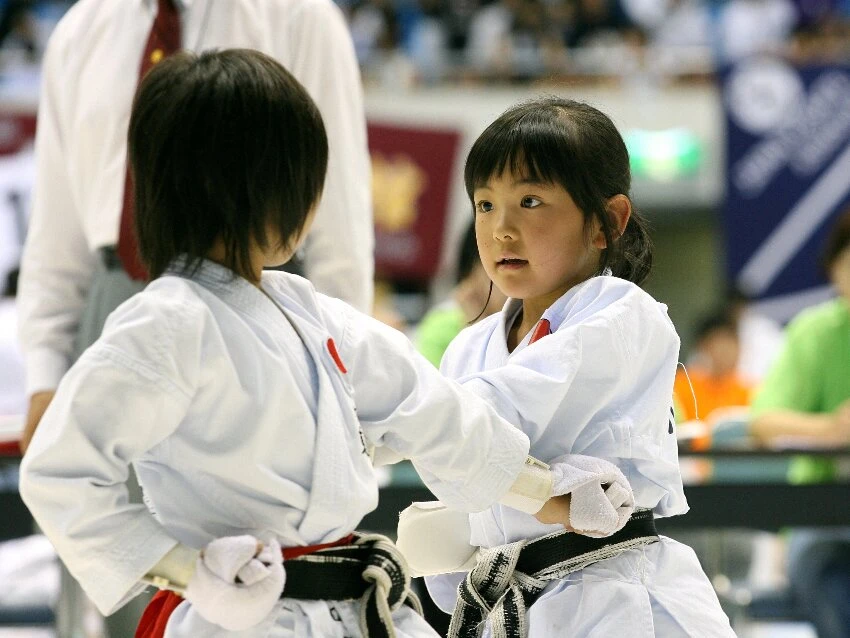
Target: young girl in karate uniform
x: 248, y: 403
x: 584, y: 361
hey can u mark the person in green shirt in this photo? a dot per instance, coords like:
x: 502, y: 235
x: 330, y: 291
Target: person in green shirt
x: 473, y: 298
x: 807, y: 391
x: 806, y: 396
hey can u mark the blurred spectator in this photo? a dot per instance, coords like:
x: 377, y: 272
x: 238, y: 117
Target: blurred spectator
x: 429, y: 42
x: 528, y: 34
x: 759, y: 337
x: 713, y: 370
x: 508, y: 39
x: 374, y: 29
x: 806, y: 395
x: 487, y: 47
x: 458, y: 18
x: 674, y: 22
x: 807, y: 391
x: 680, y: 33
x: 473, y: 297
x: 747, y: 27
x: 598, y: 20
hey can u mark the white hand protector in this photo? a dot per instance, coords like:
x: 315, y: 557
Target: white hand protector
x: 435, y: 539
x: 601, y: 499
x: 234, y: 586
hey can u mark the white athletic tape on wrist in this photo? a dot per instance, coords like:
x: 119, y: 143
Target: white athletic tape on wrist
x: 174, y: 570
x: 531, y: 489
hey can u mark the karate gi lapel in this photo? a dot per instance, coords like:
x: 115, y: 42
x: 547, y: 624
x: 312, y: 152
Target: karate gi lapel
x: 341, y: 466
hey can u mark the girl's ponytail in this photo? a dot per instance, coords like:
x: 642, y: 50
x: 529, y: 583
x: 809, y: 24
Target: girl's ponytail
x: 631, y: 258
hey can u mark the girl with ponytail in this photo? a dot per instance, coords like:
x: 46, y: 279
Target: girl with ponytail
x: 583, y: 360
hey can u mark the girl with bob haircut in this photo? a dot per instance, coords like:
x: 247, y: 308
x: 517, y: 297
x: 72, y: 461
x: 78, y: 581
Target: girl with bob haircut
x: 249, y: 404
x: 583, y: 360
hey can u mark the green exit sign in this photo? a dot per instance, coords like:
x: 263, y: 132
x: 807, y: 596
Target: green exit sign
x: 664, y: 156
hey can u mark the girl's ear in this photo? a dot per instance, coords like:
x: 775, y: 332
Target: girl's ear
x: 619, y: 208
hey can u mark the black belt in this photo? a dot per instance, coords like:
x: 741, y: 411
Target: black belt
x: 508, y: 579
x: 551, y: 550
x: 319, y: 580
x: 368, y: 569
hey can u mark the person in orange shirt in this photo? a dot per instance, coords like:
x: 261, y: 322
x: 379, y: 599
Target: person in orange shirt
x: 712, y: 372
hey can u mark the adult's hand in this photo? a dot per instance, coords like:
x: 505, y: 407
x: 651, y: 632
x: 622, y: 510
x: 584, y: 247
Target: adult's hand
x: 38, y: 406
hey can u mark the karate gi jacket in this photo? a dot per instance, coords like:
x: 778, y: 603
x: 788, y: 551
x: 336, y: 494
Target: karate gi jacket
x: 244, y: 411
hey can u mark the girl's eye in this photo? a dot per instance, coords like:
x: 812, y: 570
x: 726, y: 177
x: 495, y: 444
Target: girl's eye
x: 530, y: 202
x: 484, y: 206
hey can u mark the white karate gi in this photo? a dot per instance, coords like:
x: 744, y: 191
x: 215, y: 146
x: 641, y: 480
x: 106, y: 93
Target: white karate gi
x: 601, y: 385
x: 235, y: 427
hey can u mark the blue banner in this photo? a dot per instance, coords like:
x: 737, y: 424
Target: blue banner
x: 787, y: 173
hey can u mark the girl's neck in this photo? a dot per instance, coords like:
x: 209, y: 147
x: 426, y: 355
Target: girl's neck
x: 532, y: 312
x: 524, y: 323
x: 218, y: 254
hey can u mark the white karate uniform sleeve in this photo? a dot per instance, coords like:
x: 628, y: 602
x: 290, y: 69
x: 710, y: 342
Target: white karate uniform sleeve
x: 465, y: 453
x: 124, y: 396
x: 338, y: 251
x: 57, y: 263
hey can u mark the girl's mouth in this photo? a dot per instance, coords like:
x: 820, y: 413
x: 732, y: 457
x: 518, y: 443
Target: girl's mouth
x: 511, y: 263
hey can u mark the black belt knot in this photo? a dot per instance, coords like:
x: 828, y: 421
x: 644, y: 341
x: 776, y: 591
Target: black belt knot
x: 370, y: 570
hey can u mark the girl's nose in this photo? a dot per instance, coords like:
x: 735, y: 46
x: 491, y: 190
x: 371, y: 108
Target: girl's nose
x: 503, y: 230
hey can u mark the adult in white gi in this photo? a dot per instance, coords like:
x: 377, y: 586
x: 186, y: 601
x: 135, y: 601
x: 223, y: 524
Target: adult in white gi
x: 599, y: 385
x: 182, y: 362
x: 90, y: 73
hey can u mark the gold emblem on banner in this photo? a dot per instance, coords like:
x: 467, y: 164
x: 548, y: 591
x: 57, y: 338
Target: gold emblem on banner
x: 397, y: 184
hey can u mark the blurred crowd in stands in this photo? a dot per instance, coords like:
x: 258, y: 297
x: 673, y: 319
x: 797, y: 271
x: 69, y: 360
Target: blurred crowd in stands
x: 421, y: 42
x: 428, y: 41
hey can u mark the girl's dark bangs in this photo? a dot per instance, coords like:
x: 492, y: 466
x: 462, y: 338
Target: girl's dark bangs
x: 527, y: 148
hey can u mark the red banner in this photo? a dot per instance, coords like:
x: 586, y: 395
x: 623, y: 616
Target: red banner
x: 412, y: 171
